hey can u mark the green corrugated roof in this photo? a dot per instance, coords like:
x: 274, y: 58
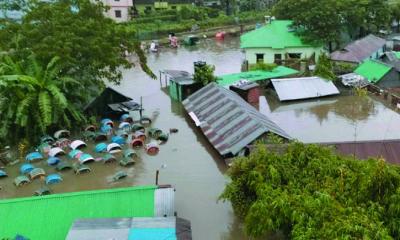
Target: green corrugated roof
x: 257, y: 75
x: 372, y: 70
x: 397, y: 54
x: 274, y: 35
x: 50, y: 217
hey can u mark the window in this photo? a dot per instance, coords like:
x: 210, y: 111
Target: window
x: 278, y: 58
x: 259, y: 57
x: 118, y: 14
x: 295, y: 55
x: 173, y: 7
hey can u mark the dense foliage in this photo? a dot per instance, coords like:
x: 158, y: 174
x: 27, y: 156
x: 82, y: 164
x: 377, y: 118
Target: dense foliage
x: 204, y: 74
x: 326, y: 20
x: 308, y: 192
x: 324, y: 68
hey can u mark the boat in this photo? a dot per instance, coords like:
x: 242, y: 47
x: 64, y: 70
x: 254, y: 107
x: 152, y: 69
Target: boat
x: 42, y: 191
x: 89, y: 135
x: 114, y: 148
x: 124, y: 126
x: 220, y: 35
x: 3, y: 174
x: 34, y: 156
x: 137, y: 127
x: 126, y: 118
x: 100, y: 136
x: 81, y: 168
x: 145, y: 120
x: 152, y: 148
x: 191, y: 40
x: 53, y: 179
x: 101, y: 147
x: 109, y: 158
x: 90, y: 128
x: 56, y: 151
x: 86, y: 158
x: 37, y: 173
x: 26, y: 168
x: 129, y: 153
x: 21, y: 180
x: 44, y: 148
x: 119, y: 175
x: 122, y: 133
x: 52, y: 161
x: 140, y: 135
x: 47, y: 139
x: 63, y: 166
x: 118, y: 139
x: 63, y: 143
x: 155, y: 132
x: 137, y: 143
x: 163, y: 138
x: 107, y: 129
x: 77, y: 144
x: 107, y: 121
x: 127, y: 161
x: 75, y: 153
x: 62, y: 134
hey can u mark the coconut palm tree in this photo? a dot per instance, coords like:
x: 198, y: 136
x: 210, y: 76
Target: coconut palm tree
x: 35, y: 98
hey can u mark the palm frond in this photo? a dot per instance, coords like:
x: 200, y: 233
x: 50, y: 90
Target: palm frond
x: 45, y: 108
x: 23, y: 110
x: 52, y: 70
x: 33, y: 68
x: 57, y: 96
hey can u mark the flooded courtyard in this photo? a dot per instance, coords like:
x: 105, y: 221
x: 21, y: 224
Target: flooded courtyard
x: 193, y: 167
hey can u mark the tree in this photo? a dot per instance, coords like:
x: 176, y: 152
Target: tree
x: 309, y: 192
x: 34, y: 98
x: 324, y: 68
x: 204, y: 74
x: 91, y: 46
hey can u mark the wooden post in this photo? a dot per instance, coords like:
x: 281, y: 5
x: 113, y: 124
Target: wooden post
x: 157, y: 174
x: 160, y: 79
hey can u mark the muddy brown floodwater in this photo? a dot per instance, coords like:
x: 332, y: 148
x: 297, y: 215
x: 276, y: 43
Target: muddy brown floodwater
x: 193, y: 167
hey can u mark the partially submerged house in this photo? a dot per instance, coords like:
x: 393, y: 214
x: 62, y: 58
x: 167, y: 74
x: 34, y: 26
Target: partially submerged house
x: 276, y: 42
x: 180, y: 84
x: 379, y: 73
x: 369, y: 47
x: 303, y: 88
x: 228, y: 122
x: 111, y: 103
x: 50, y: 217
x: 130, y: 228
x: 255, y: 76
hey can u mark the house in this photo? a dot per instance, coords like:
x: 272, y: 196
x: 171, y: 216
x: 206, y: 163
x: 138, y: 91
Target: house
x: 369, y: 47
x: 228, y: 122
x: 144, y: 6
x: 180, y: 84
x: 120, y: 10
x: 138, y: 228
x: 50, y: 217
x: 379, y: 73
x: 255, y: 76
x: 391, y: 58
x: 276, y: 42
x: 303, y: 88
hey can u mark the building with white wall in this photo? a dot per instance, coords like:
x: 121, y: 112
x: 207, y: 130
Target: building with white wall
x: 119, y: 9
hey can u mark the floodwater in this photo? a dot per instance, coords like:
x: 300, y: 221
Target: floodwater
x: 192, y: 166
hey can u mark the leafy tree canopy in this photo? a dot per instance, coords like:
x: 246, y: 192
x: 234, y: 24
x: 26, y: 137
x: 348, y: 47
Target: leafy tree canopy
x: 324, y: 68
x: 204, y: 74
x: 309, y: 192
x: 91, y: 46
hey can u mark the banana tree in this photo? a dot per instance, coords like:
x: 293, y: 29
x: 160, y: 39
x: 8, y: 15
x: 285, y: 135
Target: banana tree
x: 34, y: 98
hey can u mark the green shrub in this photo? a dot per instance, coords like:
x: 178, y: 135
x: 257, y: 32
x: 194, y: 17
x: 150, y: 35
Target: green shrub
x: 263, y: 66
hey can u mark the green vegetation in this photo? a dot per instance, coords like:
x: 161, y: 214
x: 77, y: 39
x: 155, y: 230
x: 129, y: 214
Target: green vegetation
x: 263, y: 66
x: 324, y: 68
x: 205, y: 74
x: 55, y: 60
x: 308, y: 192
x: 326, y: 20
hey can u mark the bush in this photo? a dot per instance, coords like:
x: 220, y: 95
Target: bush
x: 343, y: 68
x: 263, y: 66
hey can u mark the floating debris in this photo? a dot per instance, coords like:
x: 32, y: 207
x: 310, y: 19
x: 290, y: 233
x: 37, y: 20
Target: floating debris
x: 52, y: 161
x: 152, y: 148
x: 109, y: 158
x: 53, y: 179
x: 86, y: 158
x: 3, y: 174
x: 119, y: 175
x: 62, y: 134
x: 56, y: 151
x: 63, y: 166
x: 42, y: 191
x: 37, y: 173
x: 173, y: 130
x: 26, y: 168
x: 21, y: 180
x: 114, y: 148
x: 127, y: 161
x: 163, y: 138
x: 90, y: 128
x: 77, y: 144
x: 101, y: 147
x: 34, y: 156
x: 81, y: 168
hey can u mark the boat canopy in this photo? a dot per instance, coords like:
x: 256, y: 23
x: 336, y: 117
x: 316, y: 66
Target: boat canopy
x: 33, y: 156
x: 81, y: 168
x: 37, y: 172
x: 52, y: 161
x: 137, y: 127
x: 62, y: 134
x: 56, y: 151
x: 77, y: 144
x: 119, y: 175
x: 26, y: 168
x: 3, y: 174
x: 101, y: 147
x: 155, y: 132
x: 47, y: 139
x: 42, y: 191
x: 130, y: 153
x: 106, y: 128
x: 76, y: 153
x: 118, y: 139
x: 127, y: 161
x: 90, y: 128
x: 62, y: 166
x: 84, y: 158
x: 107, y: 121
x: 108, y: 158
x: 124, y: 125
x: 114, y: 147
x: 53, y: 178
x: 21, y: 180
x: 99, y: 136
x: 126, y: 118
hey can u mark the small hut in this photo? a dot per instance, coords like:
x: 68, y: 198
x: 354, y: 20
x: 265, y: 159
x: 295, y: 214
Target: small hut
x: 249, y: 91
x: 181, y: 84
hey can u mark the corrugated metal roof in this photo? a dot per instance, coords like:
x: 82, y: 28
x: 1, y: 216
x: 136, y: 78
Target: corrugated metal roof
x: 229, y: 123
x: 181, y: 77
x: 359, y: 50
x: 124, y: 228
x: 388, y: 149
x: 303, y: 88
x: 373, y: 70
x: 33, y: 217
x: 164, y: 202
